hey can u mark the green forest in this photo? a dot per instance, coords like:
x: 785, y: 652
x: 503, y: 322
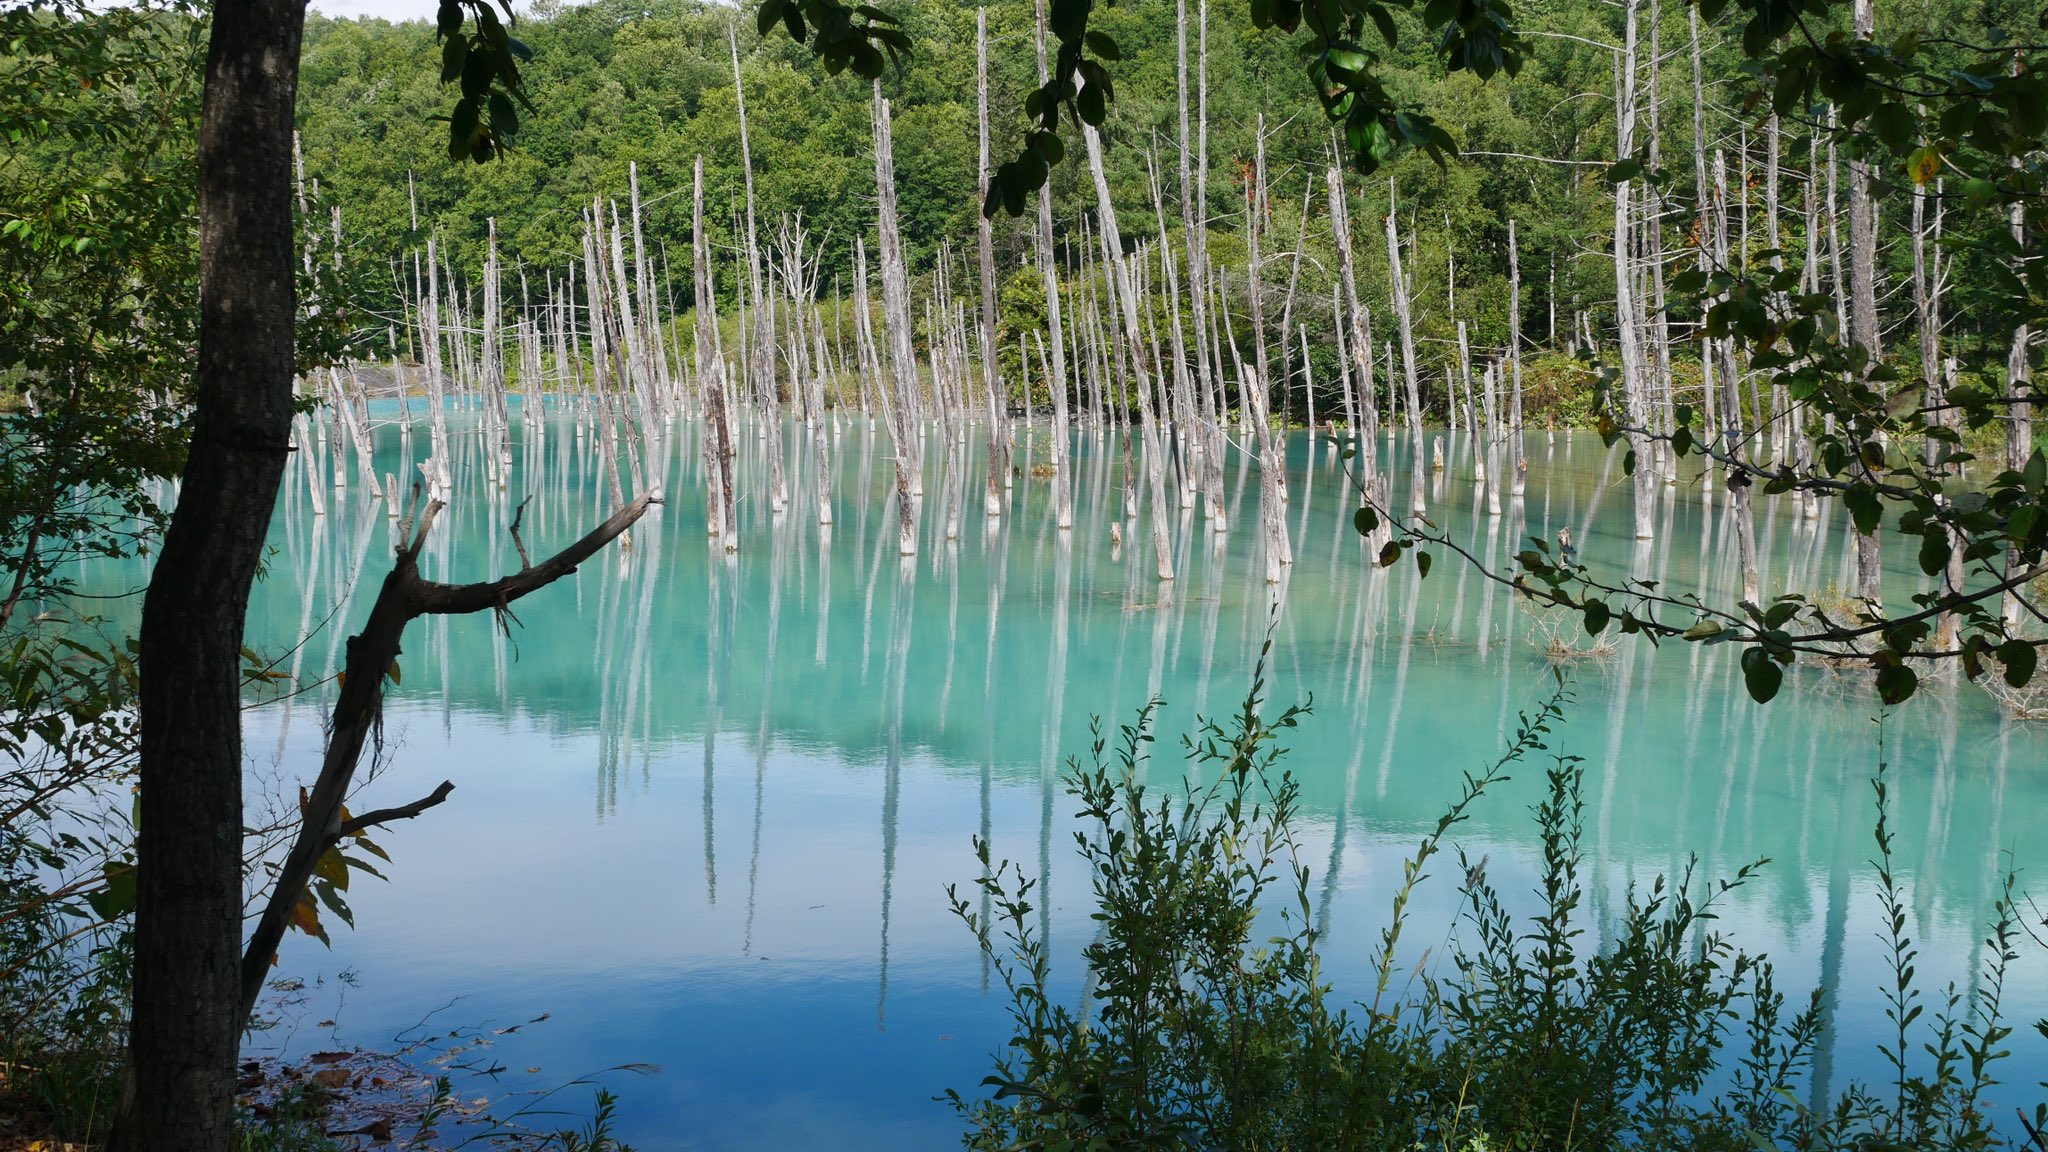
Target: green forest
x: 620, y: 85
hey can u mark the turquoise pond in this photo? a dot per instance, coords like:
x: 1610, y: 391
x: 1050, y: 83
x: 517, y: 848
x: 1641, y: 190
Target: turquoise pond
x: 706, y: 808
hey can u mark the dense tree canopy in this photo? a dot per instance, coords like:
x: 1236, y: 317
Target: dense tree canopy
x: 651, y: 84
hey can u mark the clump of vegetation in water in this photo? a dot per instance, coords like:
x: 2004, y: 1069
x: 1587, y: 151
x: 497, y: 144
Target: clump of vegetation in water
x: 1203, y: 1027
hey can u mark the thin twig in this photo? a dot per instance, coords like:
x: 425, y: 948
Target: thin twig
x: 402, y: 812
x: 525, y: 562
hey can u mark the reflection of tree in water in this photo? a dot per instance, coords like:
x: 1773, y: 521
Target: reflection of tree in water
x: 1687, y: 764
x: 898, y: 675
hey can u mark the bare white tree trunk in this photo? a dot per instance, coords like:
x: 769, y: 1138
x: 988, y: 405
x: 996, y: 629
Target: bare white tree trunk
x: 1364, y: 436
x: 1709, y: 400
x: 1272, y: 464
x: 896, y: 318
x: 761, y: 362
x: 2019, y: 411
x: 1056, y: 376
x: 721, y: 519
x: 1863, y: 331
x: 1404, y: 320
x: 1134, y: 335
x: 1635, y: 384
x: 437, y: 416
x: 1741, y: 503
x: 998, y: 440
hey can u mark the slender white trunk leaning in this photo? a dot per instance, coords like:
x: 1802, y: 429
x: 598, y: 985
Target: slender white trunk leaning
x: 1863, y: 331
x: 1127, y: 302
x: 1634, y: 385
x: 998, y: 442
x: 1272, y: 457
x: 896, y: 321
x: 1404, y: 321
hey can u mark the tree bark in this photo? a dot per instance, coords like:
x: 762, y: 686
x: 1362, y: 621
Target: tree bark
x: 183, y: 1037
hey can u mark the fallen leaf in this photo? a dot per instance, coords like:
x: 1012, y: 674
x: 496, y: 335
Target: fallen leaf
x: 378, y: 1131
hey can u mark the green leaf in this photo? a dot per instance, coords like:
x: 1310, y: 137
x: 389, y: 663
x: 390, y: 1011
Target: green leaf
x: 1934, y: 549
x: 2018, y: 656
x: 1102, y: 45
x: 1365, y: 520
x: 1383, y: 20
x: 1422, y: 562
x: 1597, y: 614
x: 1894, y: 124
x: 2019, y: 527
x: 331, y: 897
x: 477, y: 71
x: 1704, y: 630
x: 1090, y: 106
x: 1761, y: 675
x: 1896, y: 683
x: 461, y: 129
x: 116, y: 896
x: 1345, y: 62
x: 505, y: 122
x: 332, y: 868
x: 454, y: 53
x: 1047, y: 145
x: 1621, y: 170
x: 1864, y: 508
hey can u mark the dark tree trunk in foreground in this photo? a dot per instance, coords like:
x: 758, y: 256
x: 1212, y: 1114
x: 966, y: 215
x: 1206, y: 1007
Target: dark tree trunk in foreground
x: 188, y: 920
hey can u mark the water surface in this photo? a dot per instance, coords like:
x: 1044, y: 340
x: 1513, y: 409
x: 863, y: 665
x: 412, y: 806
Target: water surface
x: 706, y: 807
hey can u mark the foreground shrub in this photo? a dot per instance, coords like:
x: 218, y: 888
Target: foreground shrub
x: 1203, y: 1027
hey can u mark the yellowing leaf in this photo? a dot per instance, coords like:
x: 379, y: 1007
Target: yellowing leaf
x: 306, y: 917
x: 332, y: 868
x: 1923, y: 165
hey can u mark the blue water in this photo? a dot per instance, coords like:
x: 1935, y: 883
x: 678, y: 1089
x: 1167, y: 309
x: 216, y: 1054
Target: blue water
x: 706, y: 808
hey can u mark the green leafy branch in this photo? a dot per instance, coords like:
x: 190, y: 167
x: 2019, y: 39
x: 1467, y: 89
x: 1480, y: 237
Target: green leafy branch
x: 485, y: 62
